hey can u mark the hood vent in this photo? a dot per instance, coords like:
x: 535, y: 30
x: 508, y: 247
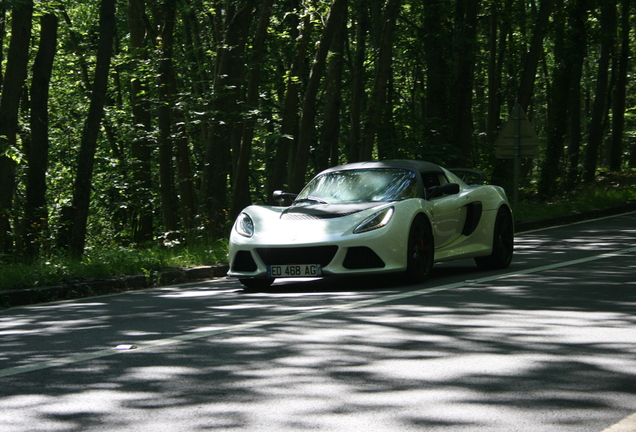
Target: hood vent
x: 325, y: 211
x: 307, y: 216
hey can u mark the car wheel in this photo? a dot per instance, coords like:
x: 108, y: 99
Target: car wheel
x: 252, y: 284
x: 503, y: 243
x: 420, y: 252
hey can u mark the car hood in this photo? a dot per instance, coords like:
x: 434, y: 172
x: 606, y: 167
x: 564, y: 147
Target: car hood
x: 307, y: 223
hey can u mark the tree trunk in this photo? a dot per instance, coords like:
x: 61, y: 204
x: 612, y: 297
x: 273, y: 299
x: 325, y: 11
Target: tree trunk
x: 36, y: 212
x: 358, y: 82
x: 388, y: 142
x: 327, y: 151
x: 185, y: 177
x: 437, y: 49
x: 222, y: 147
x: 16, y: 73
x: 531, y: 62
x: 78, y: 217
x: 109, y: 131
x: 465, y: 48
x: 3, y: 31
x: 240, y: 189
x: 308, y: 115
x: 558, y: 96
x: 197, y: 43
x: 141, y: 148
x: 577, y: 46
x: 166, y: 101
x: 618, y: 101
x: 290, y: 117
x: 383, y: 68
x: 599, y: 108
x: 494, y: 79
x: 173, y: 136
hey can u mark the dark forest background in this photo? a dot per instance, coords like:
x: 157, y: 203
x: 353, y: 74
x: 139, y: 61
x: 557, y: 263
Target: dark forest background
x: 132, y: 122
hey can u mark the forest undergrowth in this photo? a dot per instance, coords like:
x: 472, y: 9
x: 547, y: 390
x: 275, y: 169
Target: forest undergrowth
x: 609, y: 190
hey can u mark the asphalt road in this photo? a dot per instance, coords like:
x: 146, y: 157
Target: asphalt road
x: 546, y: 345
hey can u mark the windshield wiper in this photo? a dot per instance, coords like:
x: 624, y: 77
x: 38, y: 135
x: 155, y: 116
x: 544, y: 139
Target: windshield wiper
x: 312, y: 199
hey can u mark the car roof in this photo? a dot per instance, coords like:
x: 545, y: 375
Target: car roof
x: 412, y: 165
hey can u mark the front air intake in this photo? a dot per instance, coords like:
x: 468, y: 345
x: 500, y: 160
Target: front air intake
x: 298, y: 255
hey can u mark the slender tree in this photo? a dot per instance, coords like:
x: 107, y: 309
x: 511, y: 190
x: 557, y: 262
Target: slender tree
x: 464, y: 47
x: 166, y: 100
x: 577, y: 47
x: 497, y: 38
x: 358, y: 81
x: 558, y: 94
x: 76, y: 218
x: 285, y: 150
x: 141, y: 110
x: 436, y: 48
x: 3, y: 29
x: 221, y: 150
x: 382, y: 78
x: 620, y: 92
x: 240, y: 189
x: 12, y: 84
x: 531, y: 60
x: 173, y: 135
x: 599, y: 107
x: 328, y: 149
x: 308, y: 115
x: 36, y: 208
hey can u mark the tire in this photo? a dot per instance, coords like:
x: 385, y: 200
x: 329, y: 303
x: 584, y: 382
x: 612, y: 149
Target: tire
x: 420, y: 251
x: 254, y: 284
x: 502, y: 245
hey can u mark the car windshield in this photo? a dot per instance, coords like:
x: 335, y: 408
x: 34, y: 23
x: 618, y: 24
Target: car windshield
x: 360, y: 185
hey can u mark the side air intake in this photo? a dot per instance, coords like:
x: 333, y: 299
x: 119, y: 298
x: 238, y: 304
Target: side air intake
x: 362, y: 257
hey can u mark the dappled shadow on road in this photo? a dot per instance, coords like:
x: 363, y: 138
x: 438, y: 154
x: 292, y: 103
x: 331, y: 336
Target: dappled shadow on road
x: 548, y: 351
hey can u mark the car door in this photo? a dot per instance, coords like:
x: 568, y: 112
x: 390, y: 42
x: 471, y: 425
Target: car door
x: 449, y: 211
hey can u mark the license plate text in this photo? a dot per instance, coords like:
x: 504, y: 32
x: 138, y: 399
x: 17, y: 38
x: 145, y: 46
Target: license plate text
x: 294, y: 270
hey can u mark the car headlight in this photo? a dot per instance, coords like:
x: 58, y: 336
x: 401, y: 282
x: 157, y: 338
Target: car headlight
x: 244, y: 225
x: 378, y: 220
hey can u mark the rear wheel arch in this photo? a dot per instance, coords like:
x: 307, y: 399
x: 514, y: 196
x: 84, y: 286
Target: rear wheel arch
x: 503, y: 241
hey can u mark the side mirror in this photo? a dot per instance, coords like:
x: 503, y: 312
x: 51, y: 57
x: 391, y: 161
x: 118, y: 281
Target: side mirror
x: 279, y: 196
x: 449, y: 189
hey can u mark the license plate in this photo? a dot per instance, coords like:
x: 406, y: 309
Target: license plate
x: 294, y: 270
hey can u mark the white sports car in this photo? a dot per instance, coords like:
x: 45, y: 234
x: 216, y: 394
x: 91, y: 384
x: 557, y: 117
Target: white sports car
x: 373, y: 217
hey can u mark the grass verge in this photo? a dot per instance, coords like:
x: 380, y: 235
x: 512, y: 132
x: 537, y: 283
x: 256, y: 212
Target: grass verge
x: 101, y: 264
x: 610, y: 190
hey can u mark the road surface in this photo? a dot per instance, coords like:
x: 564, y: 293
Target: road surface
x: 546, y: 345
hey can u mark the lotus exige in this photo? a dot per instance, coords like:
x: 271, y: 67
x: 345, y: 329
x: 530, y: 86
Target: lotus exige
x: 373, y: 217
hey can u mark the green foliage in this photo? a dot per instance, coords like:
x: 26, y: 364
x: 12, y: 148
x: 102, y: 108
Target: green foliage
x: 409, y: 127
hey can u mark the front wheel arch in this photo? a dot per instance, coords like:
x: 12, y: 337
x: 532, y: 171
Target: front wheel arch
x: 420, y: 250
x: 256, y: 284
